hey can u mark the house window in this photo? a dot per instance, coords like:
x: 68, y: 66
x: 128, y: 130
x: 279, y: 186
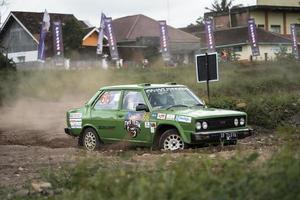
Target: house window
x: 298, y: 29
x: 261, y: 26
x: 238, y: 49
x: 276, y: 28
x: 21, y: 59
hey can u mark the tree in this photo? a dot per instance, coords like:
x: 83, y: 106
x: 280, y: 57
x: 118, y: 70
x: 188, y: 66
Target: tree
x: 222, y: 6
x: 283, y: 56
x: 200, y: 21
x: 72, y: 36
x: 6, y: 63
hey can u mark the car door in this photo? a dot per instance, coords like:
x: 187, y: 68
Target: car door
x: 136, y: 123
x: 105, y: 116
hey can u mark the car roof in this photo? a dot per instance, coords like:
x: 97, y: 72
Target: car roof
x: 140, y: 86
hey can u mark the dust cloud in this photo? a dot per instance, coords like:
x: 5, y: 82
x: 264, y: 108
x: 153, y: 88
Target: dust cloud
x: 36, y: 115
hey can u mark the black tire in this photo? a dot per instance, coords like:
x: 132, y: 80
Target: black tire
x: 80, y: 140
x: 90, y: 139
x: 170, y: 140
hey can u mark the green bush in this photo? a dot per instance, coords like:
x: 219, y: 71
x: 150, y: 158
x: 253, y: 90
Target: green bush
x: 195, y: 176
x: 268, y: 111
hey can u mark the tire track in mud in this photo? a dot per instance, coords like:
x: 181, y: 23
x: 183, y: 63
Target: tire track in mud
x: 36, y: 138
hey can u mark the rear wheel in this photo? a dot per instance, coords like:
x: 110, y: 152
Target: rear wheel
x: 170, y: 140
x: 90, y: 139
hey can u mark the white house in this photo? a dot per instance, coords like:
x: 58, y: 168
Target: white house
x: 236, y: 40
x: 19, y: 35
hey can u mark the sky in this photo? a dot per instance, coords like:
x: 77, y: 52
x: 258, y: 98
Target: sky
x: 178, y: 13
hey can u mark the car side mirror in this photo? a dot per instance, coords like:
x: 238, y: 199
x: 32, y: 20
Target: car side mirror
x: 142, y: 107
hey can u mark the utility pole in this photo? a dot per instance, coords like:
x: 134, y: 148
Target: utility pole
x: 207, y: 75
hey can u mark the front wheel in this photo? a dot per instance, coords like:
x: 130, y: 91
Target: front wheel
x: 90, y: 139
x: 170, y: 140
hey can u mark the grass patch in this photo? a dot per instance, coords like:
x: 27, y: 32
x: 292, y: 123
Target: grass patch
x: 193, y: 176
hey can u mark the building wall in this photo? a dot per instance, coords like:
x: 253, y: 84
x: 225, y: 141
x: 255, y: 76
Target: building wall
x: 16, y: 39
x: 279, y: 2
x: 259, y: 17
x: 19, y: 45
x: 92, y: 40
x: 25, y: 56
x: 292, y: 18
x: 265, y: 18
x: 269, y: 49
x: 239, y: 19
x: 276, y: 18
x: 221, y: 22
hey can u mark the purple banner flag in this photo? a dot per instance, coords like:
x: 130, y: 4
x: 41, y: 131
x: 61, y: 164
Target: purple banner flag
x: 164, y: 40
x: 252, y: 34
x: 101, y: 35
x: 111, y: 38
x: 295, y: 41
x: 210, y: 38
x: 44, y: 29
x: 58, y: 47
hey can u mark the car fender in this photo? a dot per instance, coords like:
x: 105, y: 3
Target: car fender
x: 90, y: 126
x: 180, y: 130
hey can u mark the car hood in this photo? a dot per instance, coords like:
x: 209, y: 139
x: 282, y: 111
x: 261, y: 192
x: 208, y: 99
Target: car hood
x: 203, y: 112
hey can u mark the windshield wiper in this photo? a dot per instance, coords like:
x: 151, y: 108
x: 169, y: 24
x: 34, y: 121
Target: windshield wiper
x: 178, y: 105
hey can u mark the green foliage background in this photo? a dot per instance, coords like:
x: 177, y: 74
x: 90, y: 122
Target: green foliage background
x: 269, y: 92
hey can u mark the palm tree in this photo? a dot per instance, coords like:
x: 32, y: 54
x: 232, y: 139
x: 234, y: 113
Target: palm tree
x: 222, y: 6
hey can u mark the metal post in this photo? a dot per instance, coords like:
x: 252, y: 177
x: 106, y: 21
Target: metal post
x: 230, y: 23
x: 207, y: 76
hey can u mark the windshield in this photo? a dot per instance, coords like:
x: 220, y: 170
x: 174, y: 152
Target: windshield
x: 165, y: 98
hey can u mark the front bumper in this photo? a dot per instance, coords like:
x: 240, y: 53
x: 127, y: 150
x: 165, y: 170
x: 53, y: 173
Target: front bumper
x: 223, y: 135
x: 68, y: 131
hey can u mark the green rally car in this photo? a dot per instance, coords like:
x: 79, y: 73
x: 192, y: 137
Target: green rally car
x: 164, y: 116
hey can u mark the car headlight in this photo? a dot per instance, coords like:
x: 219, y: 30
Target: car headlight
x: 204, y: 125
x: 198, y: 125
x: 242, y: 121
x: 236, y: 122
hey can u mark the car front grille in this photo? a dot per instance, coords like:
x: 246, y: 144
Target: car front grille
x: 221, y: 123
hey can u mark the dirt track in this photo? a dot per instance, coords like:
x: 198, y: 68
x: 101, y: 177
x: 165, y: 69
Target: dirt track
x: 32, y: 139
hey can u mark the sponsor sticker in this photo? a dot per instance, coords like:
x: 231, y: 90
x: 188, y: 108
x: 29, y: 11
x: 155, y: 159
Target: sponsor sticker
x: 132, y: 123
x: 75, y: 115
x: 75, y: 120
x: 147, y: 117
x: 147, y: 124
x: 185, y: 119
x: 154, y: 115
x: 152, y: 130
x: 153, y: 124
x: 161, y: 116
x: 170, y: 117
x: 76, y: 124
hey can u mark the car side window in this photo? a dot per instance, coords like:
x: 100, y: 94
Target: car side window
x: 132, y: 99
x: 108, y: 101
